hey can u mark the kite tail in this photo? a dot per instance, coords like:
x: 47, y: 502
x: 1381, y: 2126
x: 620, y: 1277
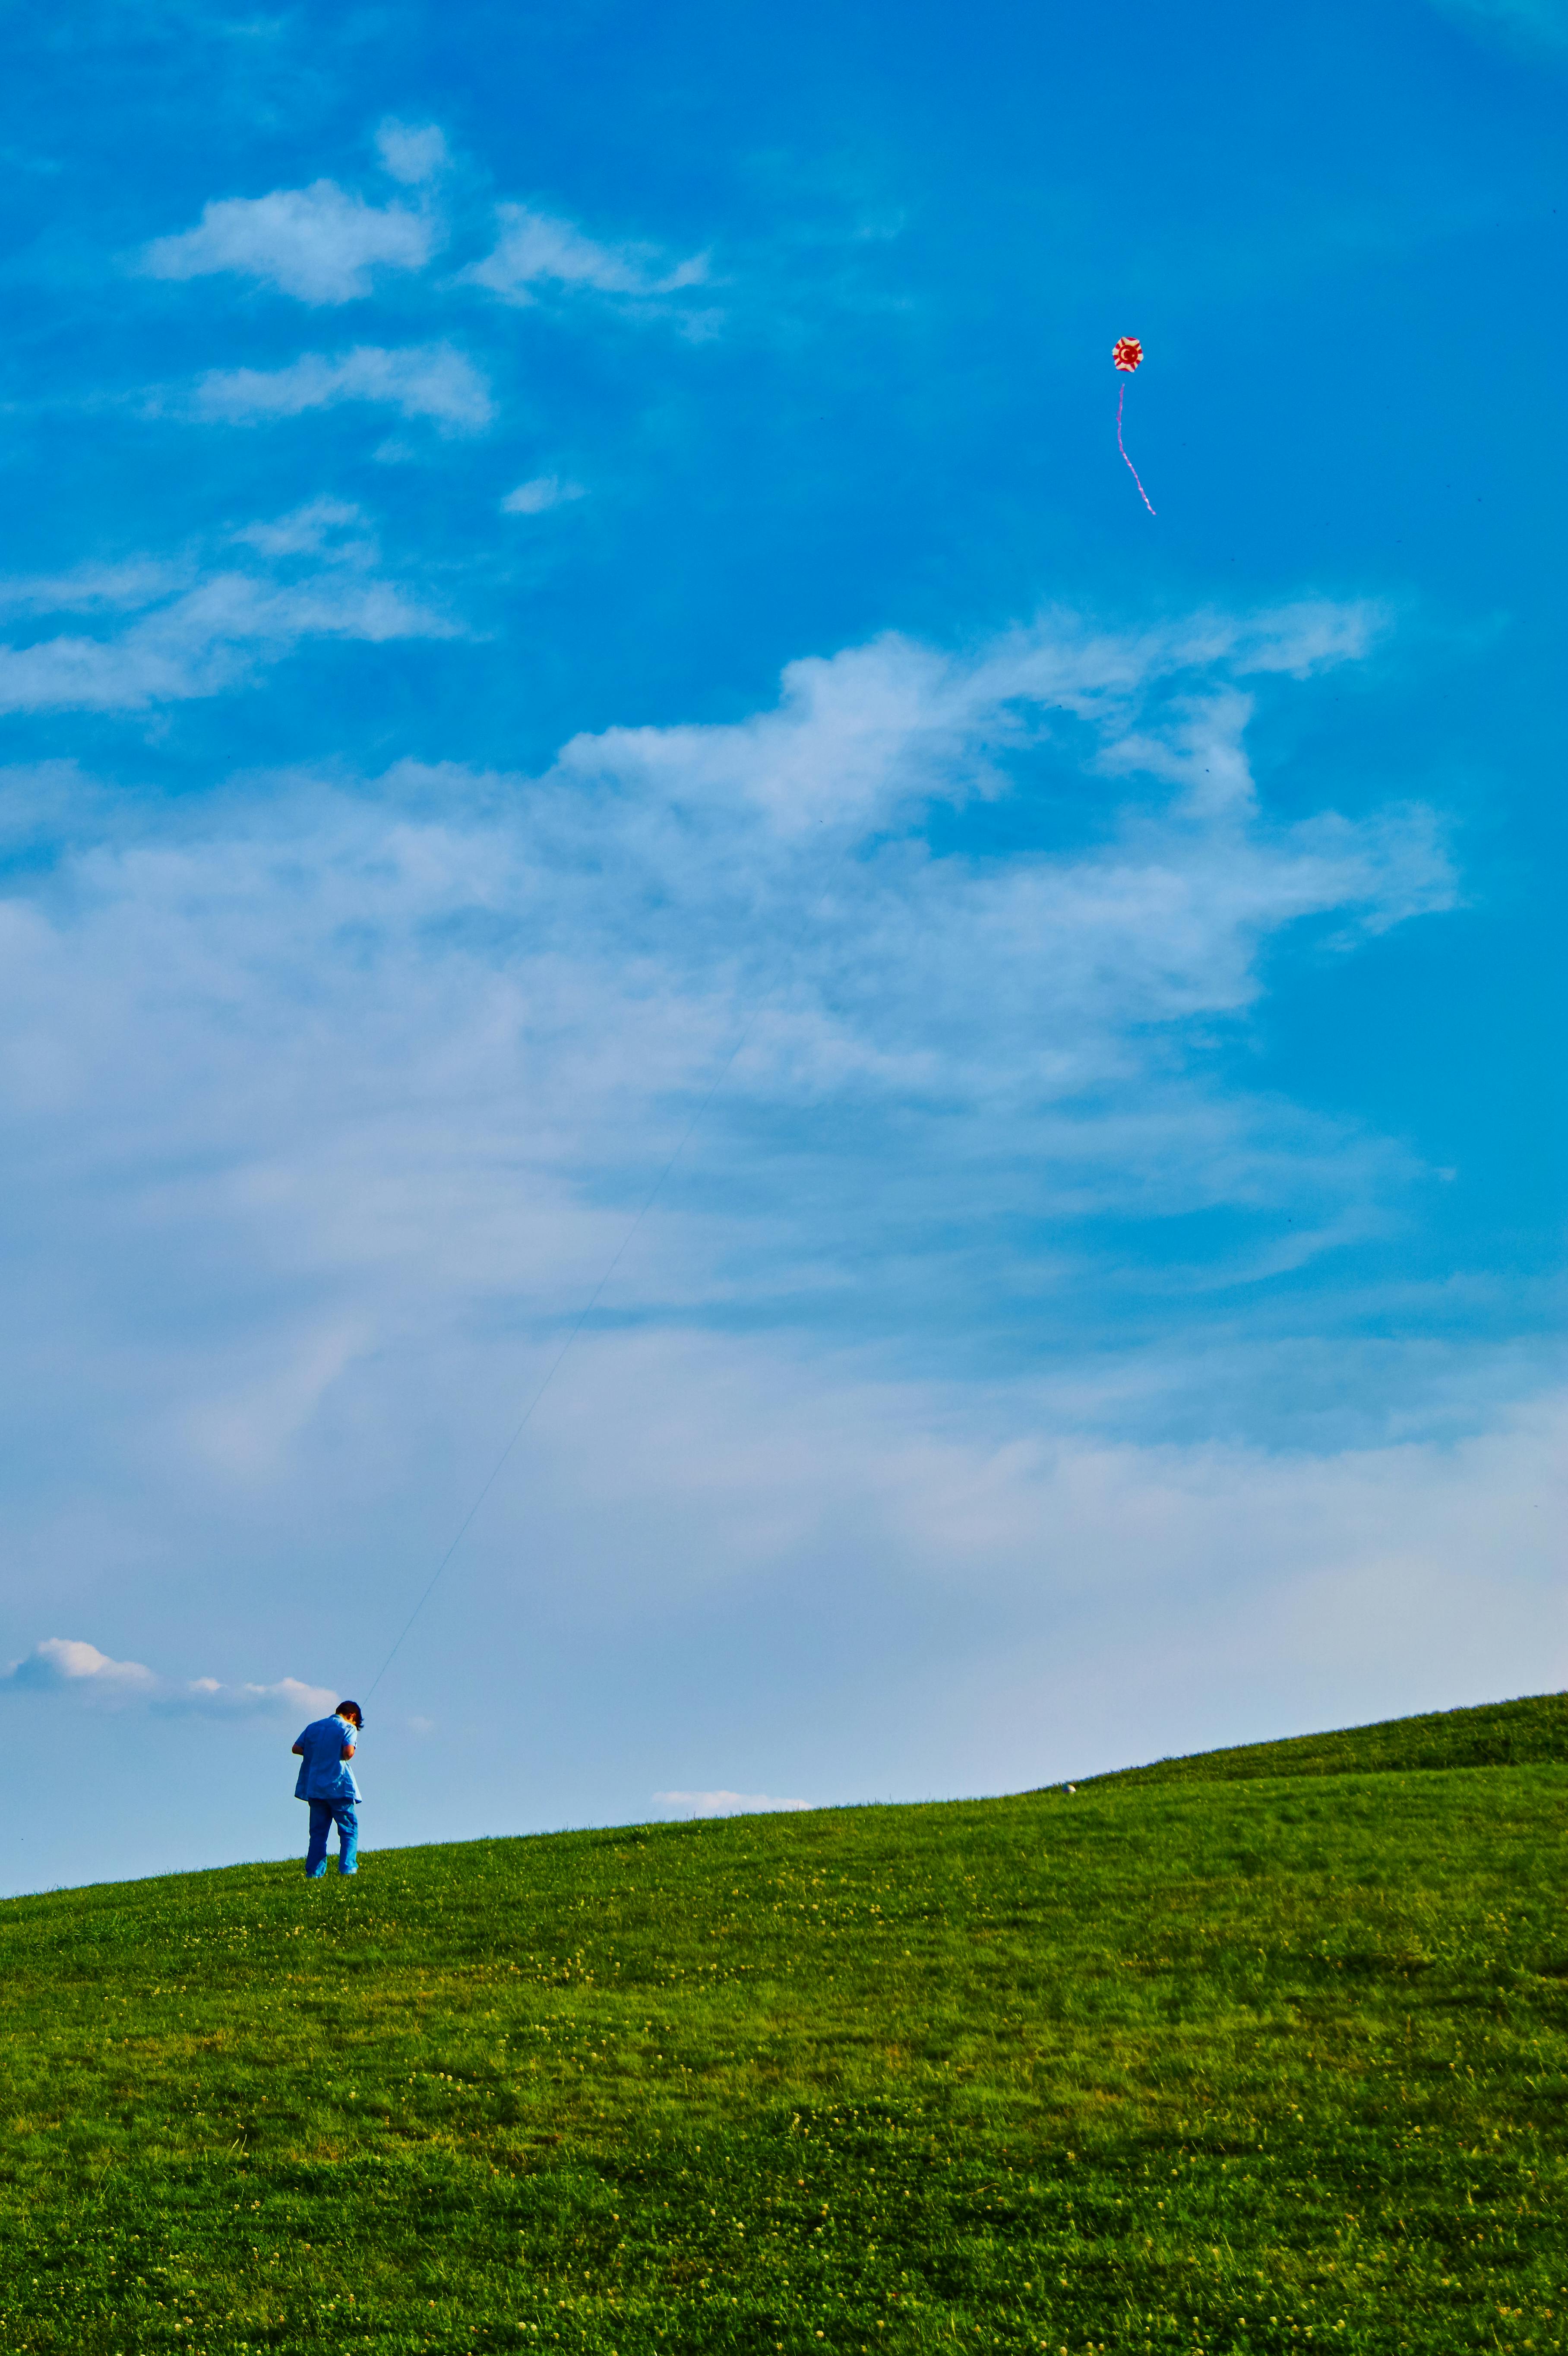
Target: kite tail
x: 1123, y: 448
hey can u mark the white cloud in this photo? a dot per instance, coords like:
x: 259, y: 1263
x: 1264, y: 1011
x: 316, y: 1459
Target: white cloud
x: 433, y: 381
x: 320, y: 524
x: 319, y: 243
x: 207, y: 1697
x: 137, y: 582
x: 855, y: 1504
x: 658, y: 886
x: 537, y: 249
x: 212, y: 639
x: 220, y: 629
x: 722, y: 1804
x: 544, y: 491
x: 413, y: 153
x: 59, y: 1663
x: 64, y: 1664
x: 329, y: 1102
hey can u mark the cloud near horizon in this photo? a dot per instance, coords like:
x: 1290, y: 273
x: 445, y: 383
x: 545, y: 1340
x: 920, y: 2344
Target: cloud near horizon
x: 65, y: 1665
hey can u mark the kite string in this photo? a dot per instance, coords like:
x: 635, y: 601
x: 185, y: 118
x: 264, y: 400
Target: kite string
x: 1123, y: 448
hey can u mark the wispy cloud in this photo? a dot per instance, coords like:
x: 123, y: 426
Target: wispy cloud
x: 199, y: 631
x: 543, y: 974
x: 139, y: 581
x: 65, y: 1665
x: 543, y: 492
x: 209, y: 640
x: 320, y: 244
x: 723, y: 1804
x: 318, y: 525
x: 538, y: 250
x: 433, y: 381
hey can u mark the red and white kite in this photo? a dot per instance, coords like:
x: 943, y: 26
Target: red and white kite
x: 1127, y: 354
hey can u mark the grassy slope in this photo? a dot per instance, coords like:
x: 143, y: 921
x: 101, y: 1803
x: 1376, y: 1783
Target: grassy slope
x: 1193, y: 2064
x: 1526, y: 1733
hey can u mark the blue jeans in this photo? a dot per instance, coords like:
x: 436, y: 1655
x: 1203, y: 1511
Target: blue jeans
x: 324, y: 1815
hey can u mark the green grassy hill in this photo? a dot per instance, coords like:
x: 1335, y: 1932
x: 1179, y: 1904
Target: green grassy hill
x: 1527, y: 1733
x: 1209, y: 2056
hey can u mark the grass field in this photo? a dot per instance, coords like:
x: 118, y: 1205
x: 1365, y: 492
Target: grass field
x: 1261, y: 2052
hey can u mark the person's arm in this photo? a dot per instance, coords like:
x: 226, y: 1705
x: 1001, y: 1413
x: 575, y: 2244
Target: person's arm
x: 297, y: 1750
x: 348, y: 1751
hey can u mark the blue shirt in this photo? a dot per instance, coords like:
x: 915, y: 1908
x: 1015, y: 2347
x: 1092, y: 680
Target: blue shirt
x: 325, y: 1773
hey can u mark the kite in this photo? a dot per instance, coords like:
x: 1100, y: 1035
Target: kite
x: 1126, y: 355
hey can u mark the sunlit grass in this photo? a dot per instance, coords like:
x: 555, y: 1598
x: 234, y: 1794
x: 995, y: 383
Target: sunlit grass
x: 1193, y: 2064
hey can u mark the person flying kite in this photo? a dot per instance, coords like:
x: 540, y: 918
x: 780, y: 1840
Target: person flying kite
x: 326, y: 1782
x: 1126, y: 355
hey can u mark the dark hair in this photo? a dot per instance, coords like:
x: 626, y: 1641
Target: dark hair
x: 350, y: 1709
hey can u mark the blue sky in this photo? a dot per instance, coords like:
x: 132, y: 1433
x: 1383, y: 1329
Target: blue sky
x: 558, y: 559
